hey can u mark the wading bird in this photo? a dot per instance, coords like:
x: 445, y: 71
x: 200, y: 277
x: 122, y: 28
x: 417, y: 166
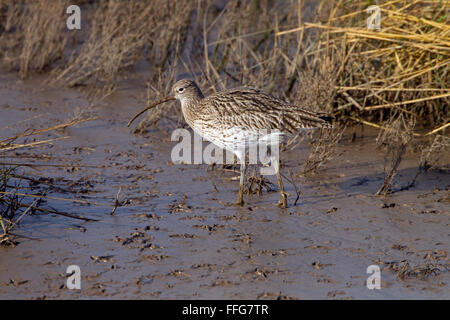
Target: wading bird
x: 237, y: 118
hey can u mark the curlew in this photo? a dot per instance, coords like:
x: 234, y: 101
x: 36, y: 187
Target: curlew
x: 237, y: 118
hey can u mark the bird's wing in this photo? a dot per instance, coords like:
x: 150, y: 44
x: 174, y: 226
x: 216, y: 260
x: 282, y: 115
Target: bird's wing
x: 252, y: 109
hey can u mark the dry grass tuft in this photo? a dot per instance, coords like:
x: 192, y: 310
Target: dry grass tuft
x: 436, y: 155
x: 119, y: 34
x: 317, y: 92
x: 316, y: 89
x: 323, y: 146
x: 31, y: 34
x: 402, y: 68
x: 18, y: 200
x: 393, y: 140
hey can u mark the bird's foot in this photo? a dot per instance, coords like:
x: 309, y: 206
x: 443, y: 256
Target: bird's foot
x: 240, y: 199
x: 283, y: 201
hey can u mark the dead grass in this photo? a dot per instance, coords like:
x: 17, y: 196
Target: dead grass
x: 17, y: 199
x: 323, y: 148
x: 319, y: 54
x: 402, y: 68
x: 120, y: 32
x: 317, y: 92
x: 31, y: 34
x: 267, y: 44
x: 435, y: 155
x: 393, y: 140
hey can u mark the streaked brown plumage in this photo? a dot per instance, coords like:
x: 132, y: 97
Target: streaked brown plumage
x: 246, y: 108
x: 229, y: 118
x: 234, y: 118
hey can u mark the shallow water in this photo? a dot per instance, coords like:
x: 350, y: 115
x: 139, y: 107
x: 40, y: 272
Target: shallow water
x: 177, y: 237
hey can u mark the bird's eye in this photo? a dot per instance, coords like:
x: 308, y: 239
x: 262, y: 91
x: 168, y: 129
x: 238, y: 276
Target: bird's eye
x: 181, y: 90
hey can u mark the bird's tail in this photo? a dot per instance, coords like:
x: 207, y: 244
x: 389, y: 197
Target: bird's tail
x: 327, y: 118
x: 327, y: 121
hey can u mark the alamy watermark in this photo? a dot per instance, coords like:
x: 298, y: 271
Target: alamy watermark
x: 374, y: 20
x: 74, y: 20
x: 374, y: 280
x: 74, y: 278
x: 262, y: 147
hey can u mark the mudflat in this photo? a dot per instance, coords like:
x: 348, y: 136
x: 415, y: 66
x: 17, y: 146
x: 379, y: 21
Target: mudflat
x: 175, y: 234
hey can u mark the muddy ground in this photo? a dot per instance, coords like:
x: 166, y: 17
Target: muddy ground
x: 177, y: 237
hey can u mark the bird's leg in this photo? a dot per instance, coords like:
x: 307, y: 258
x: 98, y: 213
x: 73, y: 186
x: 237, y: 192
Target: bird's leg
x: 240, y: 200
x: 283, y: 196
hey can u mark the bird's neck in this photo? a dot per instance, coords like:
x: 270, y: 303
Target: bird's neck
x: 190, y: 107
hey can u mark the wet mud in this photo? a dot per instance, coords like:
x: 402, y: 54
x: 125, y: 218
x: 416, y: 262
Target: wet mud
x: 175, y: 236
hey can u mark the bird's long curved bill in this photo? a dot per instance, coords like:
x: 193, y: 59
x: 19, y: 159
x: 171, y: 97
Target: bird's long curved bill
x: 169, y: 98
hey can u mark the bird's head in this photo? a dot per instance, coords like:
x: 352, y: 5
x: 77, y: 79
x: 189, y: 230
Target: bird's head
x: 186, y: 89
x: 183, y: 90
